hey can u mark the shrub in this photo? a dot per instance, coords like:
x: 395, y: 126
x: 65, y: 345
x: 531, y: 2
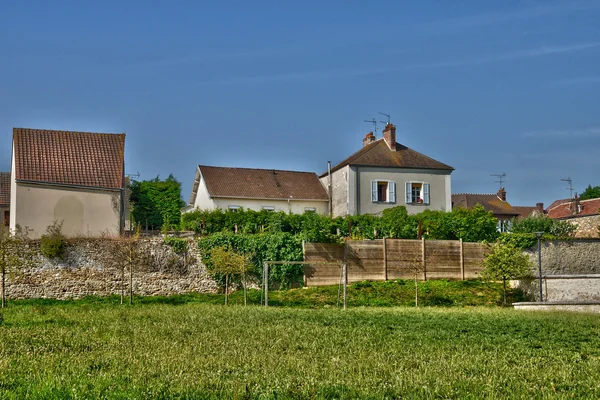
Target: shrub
x: 53, y: 242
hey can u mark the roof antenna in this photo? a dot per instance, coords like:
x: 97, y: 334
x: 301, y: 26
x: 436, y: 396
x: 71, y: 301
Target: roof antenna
x: 388, y: 118
x: 374, y: 122
x: 501, y: 179
x: 570, y: 186
x: 134, y: 177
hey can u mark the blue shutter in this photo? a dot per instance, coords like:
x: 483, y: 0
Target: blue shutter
x: 426, y: 193
x: 374, y: 191
x: 408, y: 193
x: 392, y: 188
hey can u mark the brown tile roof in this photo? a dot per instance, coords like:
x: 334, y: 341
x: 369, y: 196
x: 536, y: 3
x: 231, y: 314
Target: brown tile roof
x: 567, y: 210
x: 4, y: 189
x: 557, y: 203
x: 491, y: 202
x: 526, y: 211
x: 69, y: 158
x: 378, y: 154
x: 253, y: 183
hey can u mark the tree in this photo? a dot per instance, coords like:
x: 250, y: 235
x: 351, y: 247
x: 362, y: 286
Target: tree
x: 127, y: 253
x: 474, y: 225
x: 542, y: 223
x: 590, y: 193
x: 156, y: 203
x: 228, y: 262
x: 14, y: 253
x: 506, y: 262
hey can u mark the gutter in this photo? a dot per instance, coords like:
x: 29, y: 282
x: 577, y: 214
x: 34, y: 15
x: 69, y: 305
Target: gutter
x: 66, y: 185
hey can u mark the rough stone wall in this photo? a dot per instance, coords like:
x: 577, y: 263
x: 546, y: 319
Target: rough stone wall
x: 83, y: 272
x: 587, y: 227
x: 577, y: 257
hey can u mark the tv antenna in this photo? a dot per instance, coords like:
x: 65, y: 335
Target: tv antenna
x: 388, y: 118
x: 374, y: 122
x: 570, y: 185
x: 501, y: 179
x: 133, y: 176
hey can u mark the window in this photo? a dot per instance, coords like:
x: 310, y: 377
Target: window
x: 503, y: 225
x: 417, y: 193
x: 383, y: 192
x: 310, y: 209
x: 234, y: 208
x: 268, y: 208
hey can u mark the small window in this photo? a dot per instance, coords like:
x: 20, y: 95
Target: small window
x: 234, y: 208
x: 417, y: 193
x: 383, y: 192
x: 268, y: 208
x: 310, y: 209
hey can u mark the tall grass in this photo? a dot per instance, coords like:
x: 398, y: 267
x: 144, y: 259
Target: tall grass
x: 192, y: 350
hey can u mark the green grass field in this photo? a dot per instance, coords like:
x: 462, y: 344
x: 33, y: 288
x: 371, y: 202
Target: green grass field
x: 182, y: 348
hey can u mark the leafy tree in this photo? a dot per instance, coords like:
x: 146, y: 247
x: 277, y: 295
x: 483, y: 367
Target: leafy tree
x: 559, y: 229
x: 228, y: 262
x: 474, y: 225
x: 506, y: 262
x: 14, y: 253
x: 156, y: 202
x: 590, y: 193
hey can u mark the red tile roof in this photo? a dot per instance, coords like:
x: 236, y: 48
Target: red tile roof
x: 491, y: 202
x: 4, y: 189
x: 568, y: 210
x: 379, y: 154
x: 69, y: 158
x: 253, y: 183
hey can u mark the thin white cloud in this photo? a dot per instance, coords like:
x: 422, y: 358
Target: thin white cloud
x: 349, y: 73
x: 563, y: 133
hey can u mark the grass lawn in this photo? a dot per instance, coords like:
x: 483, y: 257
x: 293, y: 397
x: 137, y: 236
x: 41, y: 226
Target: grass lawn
x: 153, y: 349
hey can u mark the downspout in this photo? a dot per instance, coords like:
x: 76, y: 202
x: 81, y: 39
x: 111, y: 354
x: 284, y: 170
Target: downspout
x: 330, y: 189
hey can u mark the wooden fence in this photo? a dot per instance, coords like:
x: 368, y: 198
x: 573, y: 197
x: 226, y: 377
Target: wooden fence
x: 385, y: 259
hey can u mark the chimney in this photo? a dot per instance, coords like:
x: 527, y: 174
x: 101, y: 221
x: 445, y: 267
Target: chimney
x: 540, y: 207
x: 389, y: 135
x: 502, y: 194
x: 369, y: 138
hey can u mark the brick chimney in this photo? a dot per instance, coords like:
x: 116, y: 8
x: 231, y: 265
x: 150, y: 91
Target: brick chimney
x: 389, y: 135
x: 369, y: 138
x: 502, y: 194
x: 540, y: 207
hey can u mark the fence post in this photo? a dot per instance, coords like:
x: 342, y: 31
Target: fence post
x: 385, y: 269
x: 304, y: 266
x: 424, y: 259
x: 462, y: 260
x: 266, y: 282
x: 345, y: 282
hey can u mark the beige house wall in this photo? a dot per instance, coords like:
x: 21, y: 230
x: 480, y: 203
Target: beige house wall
x: 439, y: 181
x: 83, y: 212
x: 339, y: 190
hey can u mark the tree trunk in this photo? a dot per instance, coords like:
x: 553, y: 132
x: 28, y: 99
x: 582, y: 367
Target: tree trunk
x: 226, y: 287
x: 504, y: 290
x: 3, y: 287
x: 245, y: 298
x: 122, y: 283
x: 416, y: 292
x: 130, y: 284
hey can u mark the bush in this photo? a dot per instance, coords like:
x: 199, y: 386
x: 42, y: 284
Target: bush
x: 53, y: 242
x: 558, y: 229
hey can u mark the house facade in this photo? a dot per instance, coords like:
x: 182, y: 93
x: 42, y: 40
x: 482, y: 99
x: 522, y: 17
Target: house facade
x: 494, y: 203
x: 584, y: 214
x: 75, y: 178
x: 257, y: 189
x: 385, y: 174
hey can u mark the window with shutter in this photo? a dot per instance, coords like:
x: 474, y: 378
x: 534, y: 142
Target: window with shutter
x: 426, y: 193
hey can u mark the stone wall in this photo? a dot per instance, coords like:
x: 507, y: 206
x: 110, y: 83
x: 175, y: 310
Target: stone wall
x: 587, y: 227
x: 571, y: 258
x: 84, y: 272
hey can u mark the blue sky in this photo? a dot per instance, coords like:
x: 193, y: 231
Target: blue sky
x: 487, y: 87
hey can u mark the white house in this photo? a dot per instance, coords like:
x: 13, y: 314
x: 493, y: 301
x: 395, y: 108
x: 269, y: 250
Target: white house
x: 257, y: 189
x: 385, y: 174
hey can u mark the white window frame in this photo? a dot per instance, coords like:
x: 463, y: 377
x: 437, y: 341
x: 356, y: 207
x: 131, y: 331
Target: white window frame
x: 424, y: 195
x: 268, y: 208
x: 310, y: 209
x: 391, y: 191
x: 234, y: 208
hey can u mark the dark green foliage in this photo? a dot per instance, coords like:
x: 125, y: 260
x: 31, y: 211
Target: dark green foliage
x: 53, y: 242
x: 156, y: 203
x: 590, y: 193
x: 178, y: 245
x: 558, y: 229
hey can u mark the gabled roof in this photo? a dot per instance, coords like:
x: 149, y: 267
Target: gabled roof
x: 568, y: 209
x: 252, y: 183
x: 69, y: 158
x: 527, y: 211
x: 4, y: 189
x: 491, y: 202
x: 378, y: 154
